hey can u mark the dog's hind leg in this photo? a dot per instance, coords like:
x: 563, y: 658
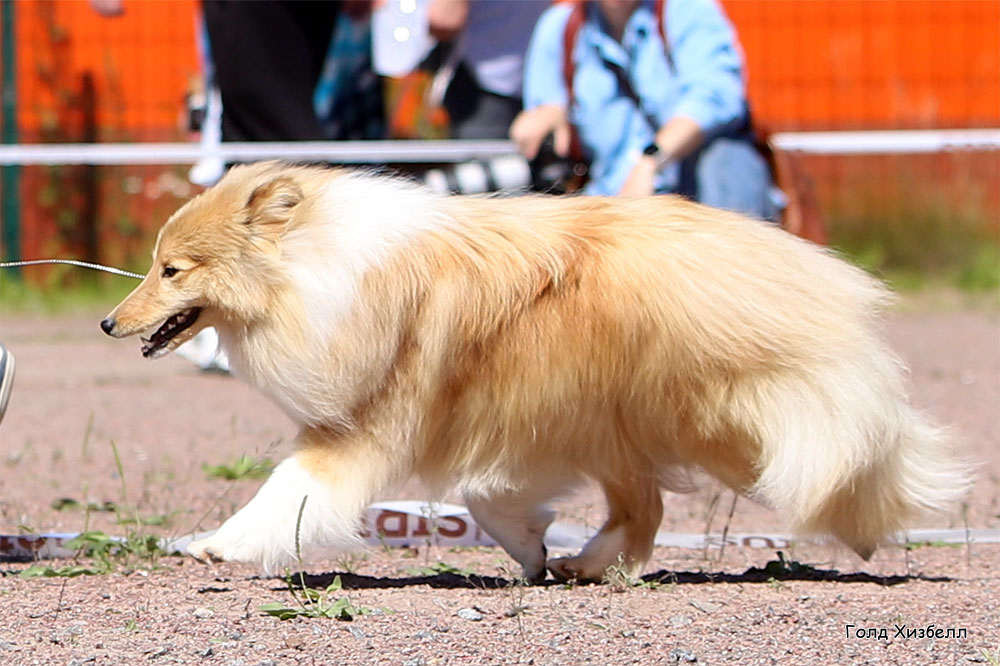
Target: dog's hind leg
x: 518, y: 522
x: 331, y: 479
x: 635, y: 509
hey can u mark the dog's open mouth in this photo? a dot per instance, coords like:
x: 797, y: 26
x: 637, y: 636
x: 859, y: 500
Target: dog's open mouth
x: 168, y: 330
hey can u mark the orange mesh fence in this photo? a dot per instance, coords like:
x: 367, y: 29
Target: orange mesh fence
x: 858, y: 64
x: 816, y: 64
x: 141, y: 65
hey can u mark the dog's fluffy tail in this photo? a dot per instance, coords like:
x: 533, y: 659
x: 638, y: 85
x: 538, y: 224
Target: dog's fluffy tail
x: 843, y: 453
x: 919, y: 475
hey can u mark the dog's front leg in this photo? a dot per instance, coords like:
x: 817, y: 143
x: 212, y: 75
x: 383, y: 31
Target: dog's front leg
x: 336, y: 475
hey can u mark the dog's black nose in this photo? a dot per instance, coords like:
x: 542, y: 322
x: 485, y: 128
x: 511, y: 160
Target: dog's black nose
x: 108, y: 325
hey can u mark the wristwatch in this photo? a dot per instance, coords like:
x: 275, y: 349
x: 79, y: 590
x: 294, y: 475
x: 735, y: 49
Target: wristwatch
x: 654, y: 151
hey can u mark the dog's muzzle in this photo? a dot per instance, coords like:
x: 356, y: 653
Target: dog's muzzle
x: 168, y: 330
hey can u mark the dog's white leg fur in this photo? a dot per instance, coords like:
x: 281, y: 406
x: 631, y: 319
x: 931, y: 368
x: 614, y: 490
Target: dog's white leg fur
x: 338, y: 479
x: 518, y: 523
x: 264, y: 530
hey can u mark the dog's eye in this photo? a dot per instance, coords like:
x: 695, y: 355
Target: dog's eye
x: 169, y: 271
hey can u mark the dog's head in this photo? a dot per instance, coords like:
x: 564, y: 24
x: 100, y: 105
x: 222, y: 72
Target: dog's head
x: 215, y: 260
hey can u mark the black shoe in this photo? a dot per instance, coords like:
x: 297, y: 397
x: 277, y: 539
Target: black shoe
x: 6, y: 378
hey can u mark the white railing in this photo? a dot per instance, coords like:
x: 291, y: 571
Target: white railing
x: 427, y: 152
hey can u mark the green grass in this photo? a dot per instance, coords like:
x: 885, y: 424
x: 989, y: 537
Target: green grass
x: 314, y: 603
x: 914, y: 545
x: 106, y: 554
x: 244, y: 467
x: 440, y: 568
x: 56, y: 297
x: 922, y: 245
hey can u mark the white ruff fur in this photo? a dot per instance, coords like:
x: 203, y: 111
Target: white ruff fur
x: 359, y: 222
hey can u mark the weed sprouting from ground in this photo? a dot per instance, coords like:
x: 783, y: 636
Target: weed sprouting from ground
x: 315, y: 603
x: 350, y: 562
x: 518, y: 584
x: 786, y: 568
x: 244, y: 467
x: 311, y: 602
x: 440, y: 568
x: 85, y: 444
x: 618, y: 578
x: 104, y: 553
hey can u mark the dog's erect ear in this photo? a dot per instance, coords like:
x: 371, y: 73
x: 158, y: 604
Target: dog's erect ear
x: 270, y: 206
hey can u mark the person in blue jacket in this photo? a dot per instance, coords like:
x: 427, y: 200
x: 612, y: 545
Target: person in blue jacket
x: 656, y: 97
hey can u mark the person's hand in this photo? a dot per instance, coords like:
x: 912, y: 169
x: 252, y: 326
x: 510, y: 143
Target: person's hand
x: 679, y: 137
x: 641, y: 180
x: 531, y: 126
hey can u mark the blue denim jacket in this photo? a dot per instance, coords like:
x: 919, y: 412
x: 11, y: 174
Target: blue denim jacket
x: 704, y: 83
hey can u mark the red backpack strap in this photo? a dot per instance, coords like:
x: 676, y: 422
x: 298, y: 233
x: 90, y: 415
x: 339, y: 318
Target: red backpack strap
x: 661, y: 25
x: 576, y: 18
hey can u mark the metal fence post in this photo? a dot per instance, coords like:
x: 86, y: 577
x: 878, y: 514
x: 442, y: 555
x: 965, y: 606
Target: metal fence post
x: 10, y: 176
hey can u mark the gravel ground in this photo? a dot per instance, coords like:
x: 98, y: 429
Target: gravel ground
x: 77, y: 392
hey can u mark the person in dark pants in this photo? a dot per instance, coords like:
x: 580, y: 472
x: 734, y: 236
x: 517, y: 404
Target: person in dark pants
x: 268, y: 56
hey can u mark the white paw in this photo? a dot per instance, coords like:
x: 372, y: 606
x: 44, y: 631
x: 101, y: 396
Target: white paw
x: 246, y: 537
x: 270, y: 530
x: 565, y: 569
x: 205, y: 551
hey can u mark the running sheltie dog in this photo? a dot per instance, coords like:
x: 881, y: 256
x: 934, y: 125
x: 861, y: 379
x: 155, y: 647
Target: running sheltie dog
x: 511, y: 347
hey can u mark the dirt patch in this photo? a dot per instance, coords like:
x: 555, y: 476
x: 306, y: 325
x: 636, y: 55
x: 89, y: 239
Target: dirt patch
x: 77, y: 392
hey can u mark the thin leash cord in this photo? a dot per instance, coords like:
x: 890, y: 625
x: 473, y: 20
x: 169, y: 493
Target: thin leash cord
x: 72, y: 262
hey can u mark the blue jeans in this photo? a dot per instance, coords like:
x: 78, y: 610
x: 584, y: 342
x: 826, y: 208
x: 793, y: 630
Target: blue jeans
x: 729, y: 173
